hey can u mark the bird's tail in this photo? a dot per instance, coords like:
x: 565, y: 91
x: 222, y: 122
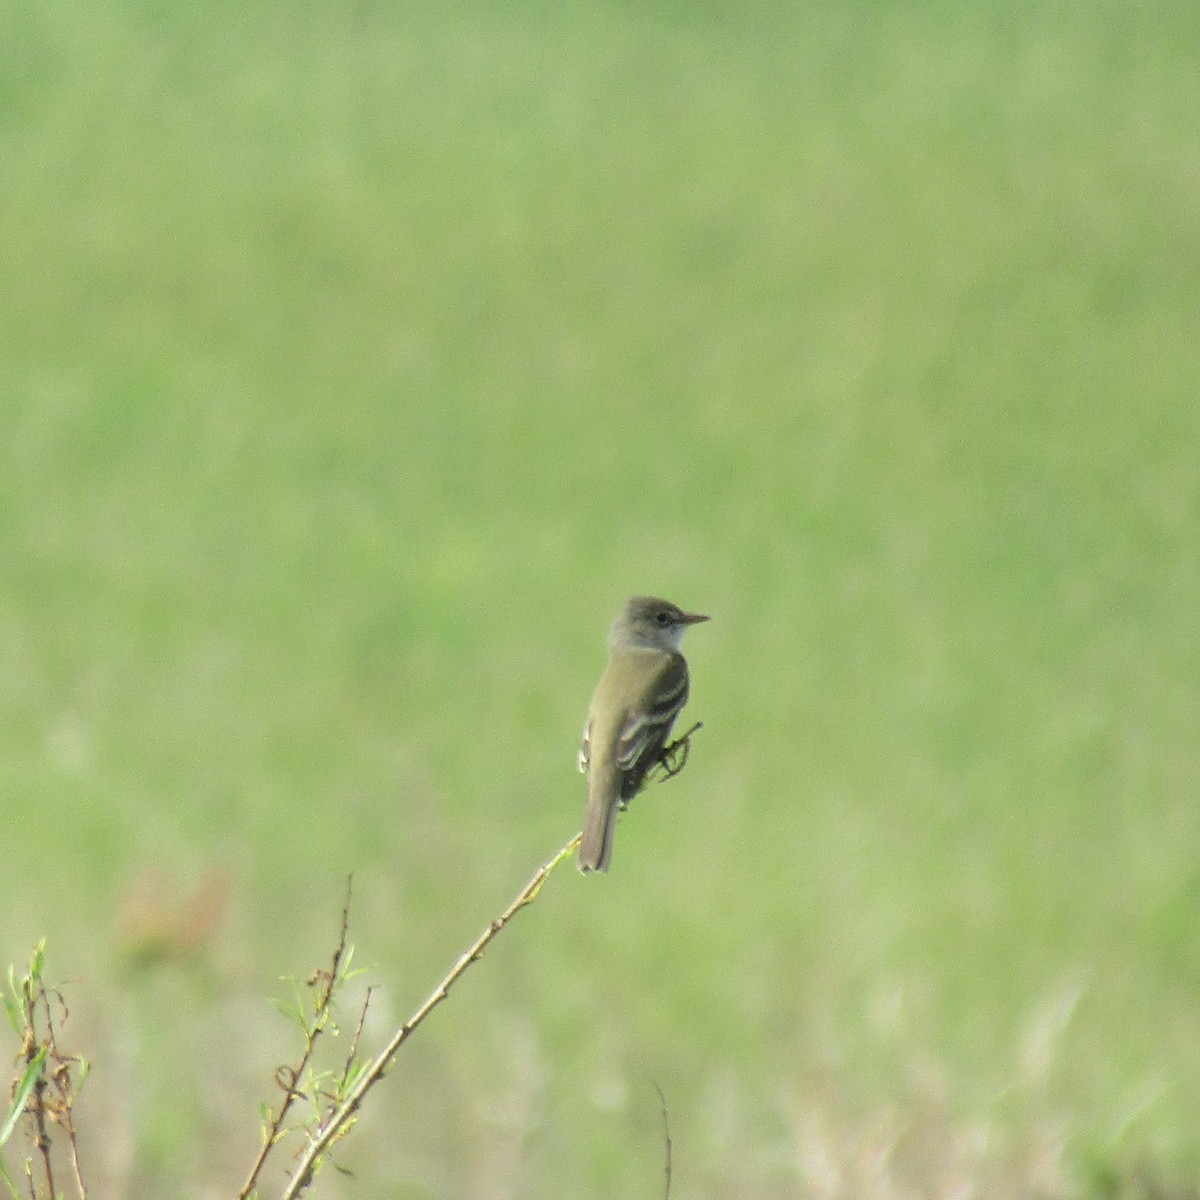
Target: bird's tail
x: 600, y: 820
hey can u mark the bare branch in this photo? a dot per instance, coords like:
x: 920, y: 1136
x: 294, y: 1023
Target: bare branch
x: 290, y: 1078
x: 666, y: 1141
x: 339, y: 1119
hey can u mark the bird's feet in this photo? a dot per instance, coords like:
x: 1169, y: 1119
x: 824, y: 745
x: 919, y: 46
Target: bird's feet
x: 673, y: 758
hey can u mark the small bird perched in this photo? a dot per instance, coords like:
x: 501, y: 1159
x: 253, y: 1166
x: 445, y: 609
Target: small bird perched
x: 635, y: 703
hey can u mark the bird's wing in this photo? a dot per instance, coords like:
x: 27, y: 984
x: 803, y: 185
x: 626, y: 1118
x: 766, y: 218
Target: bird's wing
x: 647, y: 723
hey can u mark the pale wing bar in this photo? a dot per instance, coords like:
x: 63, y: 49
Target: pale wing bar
x: 644, y: 733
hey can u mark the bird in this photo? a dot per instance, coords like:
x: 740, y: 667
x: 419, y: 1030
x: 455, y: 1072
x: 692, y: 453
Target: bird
x: 641, y: 692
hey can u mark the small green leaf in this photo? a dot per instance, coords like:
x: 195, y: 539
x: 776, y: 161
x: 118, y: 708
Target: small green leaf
x: 12, y: 1187
x: 300, y: 1000
x: 17, y: 991
x: 290, y: 1011
x: 32, y: 1071
x: 347, y: 959
x: 357, y: 1070
x: 38, y: 961
x: 14, y: 1016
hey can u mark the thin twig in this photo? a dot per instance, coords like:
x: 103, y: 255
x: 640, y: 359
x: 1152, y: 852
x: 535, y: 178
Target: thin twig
x: 44, y: 1092
x: 41, y: 1138
x: 666, y: 1144
x: 289, y: 1077
x: 61, y: 1076
x: 352, y: 1056
x: 344, y: 1113
x: 37, y: 1098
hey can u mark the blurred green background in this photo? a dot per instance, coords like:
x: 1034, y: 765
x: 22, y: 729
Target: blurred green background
x: 358, y: 359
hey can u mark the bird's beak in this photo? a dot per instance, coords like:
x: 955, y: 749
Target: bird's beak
x: 694, y: 618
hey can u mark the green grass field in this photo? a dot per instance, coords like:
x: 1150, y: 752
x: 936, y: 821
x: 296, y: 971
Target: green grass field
x: 356, y: 360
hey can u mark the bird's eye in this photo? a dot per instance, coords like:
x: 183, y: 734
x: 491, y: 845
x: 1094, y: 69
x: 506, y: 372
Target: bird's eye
x: 662, y: 616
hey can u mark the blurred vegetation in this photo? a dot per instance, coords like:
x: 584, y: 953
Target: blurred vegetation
x: 356, y: 360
